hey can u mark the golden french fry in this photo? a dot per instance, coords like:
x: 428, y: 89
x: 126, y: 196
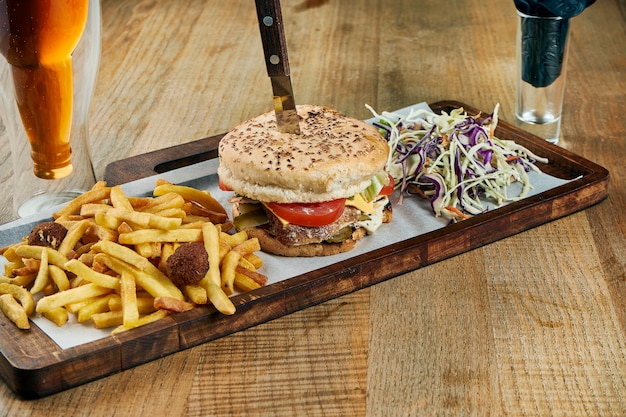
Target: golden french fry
x: 224, y: 248
x: 107, y: 319
x: 74, y: 308
x: 191, y: 223
x: 104, y: 219
x: 97, y: 233
x: 95, y: 306
x: 228, y: 271
x: 245, y: 283
x: 24, y: 280
x: 211, y: 238
x: 139, y: 203
x: 70, y: 296
x: 115, y: 302
x: 9, y: 253
x: 172, y: 212
x: 49, y: 288
x: 93, y: 209
x: 218, y: 298
x: 249, y: 246
x: 83, y: 249
x: 142, y: 321
x: 254, y: 259
x: 156, y: 249
x: 42, y: 276
x: 14, y: 311
x: 145, y: 304
x: 254, y: 275
x: 246, y: 264
x: 54, y: 257
x: 203, y: 198
x: 74, y: 234
x: 172, y: 304
x: 102, y: 280
x: 146, y: 220
x: 196, y: 294
x: 148, y: 249
x: 59, y: 277
x: 58, y: 316
x: 10, y: 267
x: 21, y: 294
x: 156, y: 235
x: 234, y: 239
x: 69, y: 221
x: 167, y: 249
x: 128, y: 293
x: 119, y: 199
x: 97, y: 193
x: 164, y: 202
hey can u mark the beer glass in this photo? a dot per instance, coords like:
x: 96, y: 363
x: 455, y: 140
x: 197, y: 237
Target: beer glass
x: 50, y: 56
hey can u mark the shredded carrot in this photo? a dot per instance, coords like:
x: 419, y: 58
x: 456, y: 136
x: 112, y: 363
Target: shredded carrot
x: 445, y: 141
x: 457, y: 212
x: 512, y: 158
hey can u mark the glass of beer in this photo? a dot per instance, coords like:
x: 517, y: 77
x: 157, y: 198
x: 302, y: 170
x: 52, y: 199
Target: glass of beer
x: 50, y: 55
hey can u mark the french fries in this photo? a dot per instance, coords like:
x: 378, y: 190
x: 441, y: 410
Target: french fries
x: 20, y: 294
x: 111, y: 267
x: 172, y: 304
x: 227, y: 271
x: 58, y: 316
x: 129, y: 298
x: 14, y: 311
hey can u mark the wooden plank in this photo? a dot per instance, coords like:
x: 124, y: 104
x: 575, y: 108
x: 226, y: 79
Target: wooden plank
x: 33, y: 366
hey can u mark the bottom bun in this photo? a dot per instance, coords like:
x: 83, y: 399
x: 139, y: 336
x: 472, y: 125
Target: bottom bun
x: 271, y: 245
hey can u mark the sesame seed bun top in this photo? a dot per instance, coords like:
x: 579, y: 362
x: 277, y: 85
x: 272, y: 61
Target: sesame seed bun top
x: 335, y: 156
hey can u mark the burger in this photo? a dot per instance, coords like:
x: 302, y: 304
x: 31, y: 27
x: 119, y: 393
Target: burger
x: 311, y: 194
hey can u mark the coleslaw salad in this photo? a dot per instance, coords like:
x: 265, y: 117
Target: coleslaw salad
x: 454, y: 159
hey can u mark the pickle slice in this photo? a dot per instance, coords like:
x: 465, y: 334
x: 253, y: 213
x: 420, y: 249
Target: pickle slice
x: 252, y: 218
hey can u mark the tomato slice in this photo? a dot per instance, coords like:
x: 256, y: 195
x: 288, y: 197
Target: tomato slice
x: 388, y: 189
x: 222, y: 186
x: 309, y: 214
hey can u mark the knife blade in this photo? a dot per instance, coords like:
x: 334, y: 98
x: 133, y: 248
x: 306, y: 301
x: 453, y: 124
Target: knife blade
x: 277, y: 62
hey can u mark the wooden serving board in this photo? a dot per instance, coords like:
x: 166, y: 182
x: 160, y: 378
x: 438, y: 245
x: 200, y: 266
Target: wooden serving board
x: 34, y: 366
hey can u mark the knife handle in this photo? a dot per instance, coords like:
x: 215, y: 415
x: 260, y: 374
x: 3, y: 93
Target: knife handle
x: 273, y: 37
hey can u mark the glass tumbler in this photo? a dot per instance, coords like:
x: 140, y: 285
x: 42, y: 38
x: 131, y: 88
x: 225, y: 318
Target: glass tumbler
x: 542, y: 49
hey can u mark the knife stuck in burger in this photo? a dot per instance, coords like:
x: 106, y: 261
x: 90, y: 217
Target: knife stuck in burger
x: 277, y: 64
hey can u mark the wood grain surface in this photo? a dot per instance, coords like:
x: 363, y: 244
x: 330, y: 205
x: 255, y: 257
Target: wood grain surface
x: 532, y: 325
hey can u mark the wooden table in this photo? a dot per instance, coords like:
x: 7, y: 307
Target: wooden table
x: 533, y: 324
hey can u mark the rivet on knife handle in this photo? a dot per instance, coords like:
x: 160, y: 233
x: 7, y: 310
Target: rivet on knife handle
x: 277, y: 63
